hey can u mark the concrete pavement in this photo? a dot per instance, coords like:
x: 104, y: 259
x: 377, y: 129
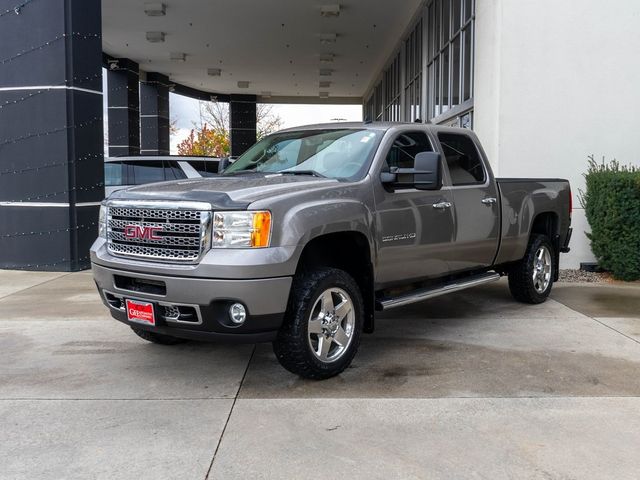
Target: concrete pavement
x: 472, y: 385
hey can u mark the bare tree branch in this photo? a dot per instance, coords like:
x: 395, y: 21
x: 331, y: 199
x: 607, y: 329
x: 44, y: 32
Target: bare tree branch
x: 173, y: 127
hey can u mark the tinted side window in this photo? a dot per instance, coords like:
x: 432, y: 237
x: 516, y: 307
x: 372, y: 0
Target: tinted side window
x: 147, y: 172
x: 172, y: 171
x: 206, y: 169
x: 463, y: 159
x: 113, y: 174
x: 405, y: 148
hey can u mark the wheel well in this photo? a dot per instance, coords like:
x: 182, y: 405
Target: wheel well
x: 547, y: 224
x: 348, y: 251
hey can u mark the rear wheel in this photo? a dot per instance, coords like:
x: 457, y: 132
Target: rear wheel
x: 157, y: 337
x: 322, y: 327
x: 531, y: 279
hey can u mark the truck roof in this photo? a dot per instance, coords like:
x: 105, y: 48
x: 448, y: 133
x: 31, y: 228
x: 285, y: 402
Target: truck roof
x: 383, y: 126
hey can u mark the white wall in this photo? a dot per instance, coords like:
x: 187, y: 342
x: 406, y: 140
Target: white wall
x: 555, y: 82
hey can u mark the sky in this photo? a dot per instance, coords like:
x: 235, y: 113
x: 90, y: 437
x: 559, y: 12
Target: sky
x: 185, y: 111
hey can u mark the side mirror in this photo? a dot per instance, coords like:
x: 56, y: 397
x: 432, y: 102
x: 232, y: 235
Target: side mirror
x: 426, y: 173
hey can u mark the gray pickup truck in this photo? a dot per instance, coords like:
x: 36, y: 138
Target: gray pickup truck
x: 310, y: 232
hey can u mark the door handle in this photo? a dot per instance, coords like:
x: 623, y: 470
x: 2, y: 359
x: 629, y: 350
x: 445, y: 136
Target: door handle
x: 442, y: 205
x: 489, y: 200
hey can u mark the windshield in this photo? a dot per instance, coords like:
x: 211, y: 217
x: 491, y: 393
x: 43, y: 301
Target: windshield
x: 338, y: 153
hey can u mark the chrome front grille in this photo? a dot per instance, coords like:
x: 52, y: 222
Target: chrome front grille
x: 160, y: 231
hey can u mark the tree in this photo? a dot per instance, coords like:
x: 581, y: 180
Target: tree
x: 210, y: 135
x: 205, y: 142
x: 216, y: 114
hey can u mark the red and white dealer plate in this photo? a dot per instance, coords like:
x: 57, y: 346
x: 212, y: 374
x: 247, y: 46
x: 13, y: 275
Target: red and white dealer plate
x: 141, y: 312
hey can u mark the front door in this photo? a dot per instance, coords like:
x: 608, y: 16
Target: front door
x: 414, y: 228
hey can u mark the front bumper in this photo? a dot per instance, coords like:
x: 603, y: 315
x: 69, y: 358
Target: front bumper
x: 206, y: 300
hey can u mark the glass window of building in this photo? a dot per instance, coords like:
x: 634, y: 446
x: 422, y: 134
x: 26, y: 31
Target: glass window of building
x: 437, y: 54
x: 413, y: 74
x: 450, y: 60
x: 392, y: 91
x: 379, y: 101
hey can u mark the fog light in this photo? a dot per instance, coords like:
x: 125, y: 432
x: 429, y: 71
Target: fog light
x: 238, y: 313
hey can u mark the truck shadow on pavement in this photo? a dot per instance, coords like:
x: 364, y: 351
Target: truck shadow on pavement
x: 480, y: 343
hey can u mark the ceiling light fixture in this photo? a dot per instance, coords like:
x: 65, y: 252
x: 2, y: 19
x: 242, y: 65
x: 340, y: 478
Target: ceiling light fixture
x: 324, y: 84
x: 155, y: 37
x: 326, y: 72
x: 155, y: 9
x: 214, y: 72
x: 327, y: 38
x: 178, y: 56
x: 330, y: 10
x: 243, y: 84
x: 324, y: 94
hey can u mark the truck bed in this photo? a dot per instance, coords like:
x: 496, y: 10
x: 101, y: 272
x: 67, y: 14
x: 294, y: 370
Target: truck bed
x: 527, y: 202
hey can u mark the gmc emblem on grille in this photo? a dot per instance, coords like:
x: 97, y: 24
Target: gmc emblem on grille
x: 143, y: 233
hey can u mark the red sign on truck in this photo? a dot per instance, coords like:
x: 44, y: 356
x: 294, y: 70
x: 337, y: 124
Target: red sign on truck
x: 140, y: 312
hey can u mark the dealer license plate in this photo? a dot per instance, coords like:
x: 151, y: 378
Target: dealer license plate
x: 141, y: 312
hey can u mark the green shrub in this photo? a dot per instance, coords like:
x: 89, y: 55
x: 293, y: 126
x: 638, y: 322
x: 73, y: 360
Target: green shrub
x: 612, y: 205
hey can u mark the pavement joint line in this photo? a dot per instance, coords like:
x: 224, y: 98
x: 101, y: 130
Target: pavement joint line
x: 598, y: 321
x: 523, y: 397
x: 163, y: 399
x: 37, y: 285
x: 615, y: 330
x: 224, y: 429
x: 528, y: 397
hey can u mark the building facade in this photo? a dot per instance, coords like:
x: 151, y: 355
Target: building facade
x: 545, y: 84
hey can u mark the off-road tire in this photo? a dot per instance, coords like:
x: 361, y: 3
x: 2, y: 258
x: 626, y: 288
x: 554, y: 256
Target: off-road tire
x: 292, y: 348
x: 521, y: 282
x: 158, y: 338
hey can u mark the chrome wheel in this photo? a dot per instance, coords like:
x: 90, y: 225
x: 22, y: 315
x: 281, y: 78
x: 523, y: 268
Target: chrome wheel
x: 542, y: 269
x: 331, y: 325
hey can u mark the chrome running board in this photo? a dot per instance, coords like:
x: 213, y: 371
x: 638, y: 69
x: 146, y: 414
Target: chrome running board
x: 426, y: 293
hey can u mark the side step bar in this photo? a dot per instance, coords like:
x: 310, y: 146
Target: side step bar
x: 426, y: 293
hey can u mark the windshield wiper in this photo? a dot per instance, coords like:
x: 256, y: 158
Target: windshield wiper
x: 313, y: 173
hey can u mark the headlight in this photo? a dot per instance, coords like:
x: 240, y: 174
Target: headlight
x: 102, y: 222
x: 241, y: 229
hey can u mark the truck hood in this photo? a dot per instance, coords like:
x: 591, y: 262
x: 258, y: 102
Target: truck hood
x: 232, y: 192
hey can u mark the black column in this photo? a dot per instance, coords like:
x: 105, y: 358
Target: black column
x: 51, y: 134
x: 154, y: 115
x: 123, y: 99
x: 242, y: 117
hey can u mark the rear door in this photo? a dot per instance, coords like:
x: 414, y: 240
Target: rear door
x: 414, y: 228
x: 476, y: 205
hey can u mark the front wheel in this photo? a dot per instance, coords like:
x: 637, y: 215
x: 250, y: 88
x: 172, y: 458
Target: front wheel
x: 531, y: 279
x: 322, y: 327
